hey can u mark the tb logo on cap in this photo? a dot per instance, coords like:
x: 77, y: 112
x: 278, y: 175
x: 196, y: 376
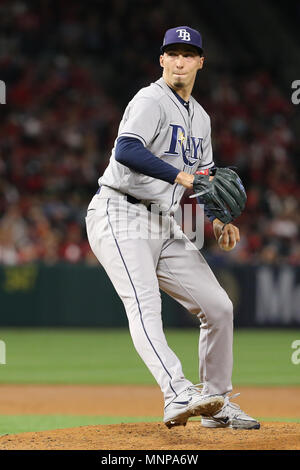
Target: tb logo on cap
x: 184, y: 34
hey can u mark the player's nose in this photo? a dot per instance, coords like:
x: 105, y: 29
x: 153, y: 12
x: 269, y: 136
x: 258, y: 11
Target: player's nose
x: 179, y: 61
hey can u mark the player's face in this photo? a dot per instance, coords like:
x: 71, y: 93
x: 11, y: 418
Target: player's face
x: 180, y: 64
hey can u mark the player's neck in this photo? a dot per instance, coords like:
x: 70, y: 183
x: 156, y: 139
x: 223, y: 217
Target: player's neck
x: 183, y: 93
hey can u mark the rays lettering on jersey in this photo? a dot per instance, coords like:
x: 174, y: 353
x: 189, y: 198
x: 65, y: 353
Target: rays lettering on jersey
x: 190, y: 151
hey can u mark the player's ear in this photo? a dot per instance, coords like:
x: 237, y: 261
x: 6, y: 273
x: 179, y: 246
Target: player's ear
x: 161, y: 60
x: 201, y: 62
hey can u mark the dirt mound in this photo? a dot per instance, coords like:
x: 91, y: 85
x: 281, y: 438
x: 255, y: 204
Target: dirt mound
x: 277, y: 402
x: 155, y: 436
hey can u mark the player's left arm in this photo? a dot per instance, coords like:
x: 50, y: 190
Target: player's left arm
x: 227, y: 235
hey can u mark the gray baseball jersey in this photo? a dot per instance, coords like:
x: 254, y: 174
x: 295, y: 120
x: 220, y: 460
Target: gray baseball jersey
x: 169, y: 131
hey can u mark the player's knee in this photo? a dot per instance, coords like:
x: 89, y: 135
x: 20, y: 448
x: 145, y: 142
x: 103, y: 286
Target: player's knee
x: 220, y: 312
x: 225, y: 314
x: 227, y: 308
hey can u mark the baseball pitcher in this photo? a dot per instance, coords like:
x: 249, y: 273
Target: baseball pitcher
x: 164, y: 146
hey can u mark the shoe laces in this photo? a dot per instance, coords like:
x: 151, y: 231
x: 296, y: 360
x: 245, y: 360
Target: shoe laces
x: 229, y: 403
x: 195, y: 388
x: 234, y: 406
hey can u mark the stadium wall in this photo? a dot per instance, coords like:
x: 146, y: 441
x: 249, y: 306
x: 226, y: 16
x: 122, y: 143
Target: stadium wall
x: 81, y: 295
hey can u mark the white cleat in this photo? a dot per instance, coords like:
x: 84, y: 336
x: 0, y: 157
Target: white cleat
x: 230, y: 416
x: 191, y: 402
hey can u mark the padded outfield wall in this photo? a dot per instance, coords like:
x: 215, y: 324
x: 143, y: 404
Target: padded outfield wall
x: 80, y: 295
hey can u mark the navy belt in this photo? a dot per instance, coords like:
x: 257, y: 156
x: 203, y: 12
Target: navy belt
x: 130, y: 199
x: 134, y: 200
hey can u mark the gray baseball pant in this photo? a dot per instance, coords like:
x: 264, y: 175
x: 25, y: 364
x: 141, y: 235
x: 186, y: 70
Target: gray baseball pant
x: 138, y: 268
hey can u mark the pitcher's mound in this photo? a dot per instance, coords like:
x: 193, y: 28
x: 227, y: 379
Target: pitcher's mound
x: 155, y: 436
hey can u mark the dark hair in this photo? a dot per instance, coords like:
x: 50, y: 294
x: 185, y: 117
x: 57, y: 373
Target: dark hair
x: 170, y: 46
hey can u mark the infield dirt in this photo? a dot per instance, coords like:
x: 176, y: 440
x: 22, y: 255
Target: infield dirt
x: 132, y: 400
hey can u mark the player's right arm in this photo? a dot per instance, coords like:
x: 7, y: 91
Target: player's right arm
x: 141, y: 125
x: 185, y: 179
x: 131, y: 153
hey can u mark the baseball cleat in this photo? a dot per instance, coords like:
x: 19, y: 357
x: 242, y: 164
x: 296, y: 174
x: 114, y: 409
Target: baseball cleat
x: 230, y: 416
x: 190, y: 403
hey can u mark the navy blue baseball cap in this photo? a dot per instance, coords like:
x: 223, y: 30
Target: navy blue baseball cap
x: 182, y: 35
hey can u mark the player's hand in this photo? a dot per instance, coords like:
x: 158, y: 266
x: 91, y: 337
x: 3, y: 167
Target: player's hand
x: 185, y: 179
x: 227, y: 235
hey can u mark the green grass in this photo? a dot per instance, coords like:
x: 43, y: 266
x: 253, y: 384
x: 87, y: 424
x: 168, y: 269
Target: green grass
x: 272, y: 419
x: 264, y: 357
x: 15, y: 424
x: 98, y: 356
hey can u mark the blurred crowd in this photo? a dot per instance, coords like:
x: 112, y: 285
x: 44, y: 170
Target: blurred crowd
x: 251, y: 130
x: 69, y: 75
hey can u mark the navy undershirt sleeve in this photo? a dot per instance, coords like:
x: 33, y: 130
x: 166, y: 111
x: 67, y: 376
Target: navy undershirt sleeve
x: 131, y: 152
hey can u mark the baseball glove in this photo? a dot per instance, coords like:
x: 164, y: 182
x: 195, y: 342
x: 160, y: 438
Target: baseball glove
x: 224, y: 196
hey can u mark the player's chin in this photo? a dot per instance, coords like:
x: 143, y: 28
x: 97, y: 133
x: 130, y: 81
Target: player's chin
x: 178, y: 83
